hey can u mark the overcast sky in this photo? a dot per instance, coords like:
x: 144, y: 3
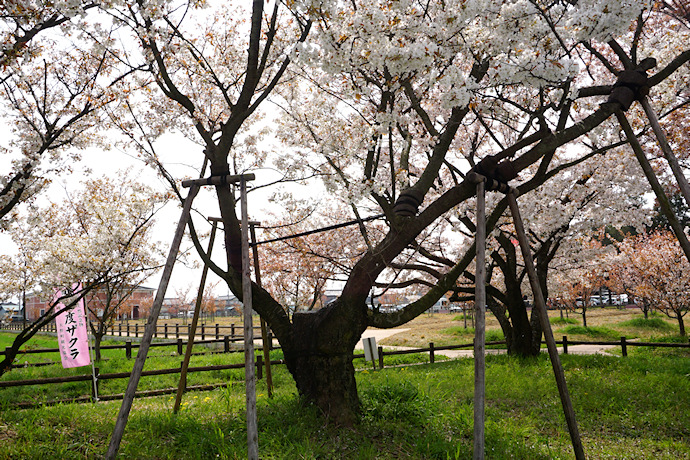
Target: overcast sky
x: 177, y: 153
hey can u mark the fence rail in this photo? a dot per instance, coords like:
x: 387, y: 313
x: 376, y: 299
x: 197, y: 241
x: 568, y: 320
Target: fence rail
x: 164, y: 330
x: 128, y: 346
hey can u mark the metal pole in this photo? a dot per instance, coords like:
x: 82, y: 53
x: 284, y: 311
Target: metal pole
x: 121, y: 421
x: 546, y: 327
x: 92, y: 351
x: 190, y: 340
x: 479, y: 332
x: 266, y: 344
x: 249, y: 371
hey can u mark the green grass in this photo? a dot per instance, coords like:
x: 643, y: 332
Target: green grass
x: 627, y: 408
x: 492, y: 335
x: 114, y: 361
x: 592, y: 333
x: 558, y: 321
x: 651, y: 324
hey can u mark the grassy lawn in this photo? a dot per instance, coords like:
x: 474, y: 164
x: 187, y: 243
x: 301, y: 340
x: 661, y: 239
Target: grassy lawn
x: 627, y: 408
x: 603, y: 324
x: 632, y: 408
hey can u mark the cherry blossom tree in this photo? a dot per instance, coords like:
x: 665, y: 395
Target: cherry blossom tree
x: 659, y: 273
x: 51, y: 100
x: 100, y: 237
x: 391, y: 104
x: 425, y: 91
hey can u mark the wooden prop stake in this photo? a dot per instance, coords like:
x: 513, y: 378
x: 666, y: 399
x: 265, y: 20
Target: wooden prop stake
x: 479, y: 332
x: 249, y: 371
x: 265, y: 340
x: 666, y: 208
x: 182, y: 385
x: 666, y: 148
x: 546, y: 327
x: 121, y: 421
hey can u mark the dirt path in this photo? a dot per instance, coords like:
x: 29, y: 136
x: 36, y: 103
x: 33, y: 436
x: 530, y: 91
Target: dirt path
x: 380, y: 334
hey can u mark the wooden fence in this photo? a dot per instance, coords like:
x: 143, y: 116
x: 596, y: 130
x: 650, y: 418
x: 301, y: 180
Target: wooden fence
x: 431, y: 349
x: 165, y: 330
x: 128, y: 346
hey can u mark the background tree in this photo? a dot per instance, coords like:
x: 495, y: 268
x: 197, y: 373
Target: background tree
x: 100, y: 236
x: 661, y: 273
x: 51, y: 100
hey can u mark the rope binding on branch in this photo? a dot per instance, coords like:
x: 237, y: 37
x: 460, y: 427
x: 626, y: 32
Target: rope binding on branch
x: 632, y: 85
x: 497, y: 174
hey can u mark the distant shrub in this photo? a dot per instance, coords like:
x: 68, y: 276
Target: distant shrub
x: 651, y: 323
x: 558, y: 321
x: 593, y: 332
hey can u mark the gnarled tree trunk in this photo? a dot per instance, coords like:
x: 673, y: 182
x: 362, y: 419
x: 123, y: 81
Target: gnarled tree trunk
x: 319, y: 356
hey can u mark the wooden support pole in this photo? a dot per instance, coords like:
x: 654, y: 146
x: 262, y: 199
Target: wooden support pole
x: 122, y: 416
x: 540, y: 304
x: 266, y: 341
x: 664, y: 203
x: 249, y: 371
x: 192, y: 330
x: 666, y: 148
x: 479, y: 331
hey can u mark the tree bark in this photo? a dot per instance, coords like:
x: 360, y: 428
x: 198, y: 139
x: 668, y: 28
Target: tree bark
x: 319, y: 356
x: 681, y: 323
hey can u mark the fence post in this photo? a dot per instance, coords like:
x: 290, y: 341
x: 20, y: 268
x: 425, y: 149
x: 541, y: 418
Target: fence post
x: 128, y: 349
x: 259, y: 367
x: 565, y: 344
x: 226, y: 344
x: 179, y: 346
x: 380, y: 357
x: 127, y: 329
x: 232, y: 330
x: 136, y: 330
x: 203, y: 332
x: 119, y: 329
x: 624, y: 347
x: 432, y: 358
x: 217, y: 332
x: 177, y: 331
x: 165, y: 330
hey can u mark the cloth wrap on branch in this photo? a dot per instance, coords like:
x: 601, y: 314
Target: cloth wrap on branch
x: 497, y: 177
x: 632, y: 84
x: 408, y: 203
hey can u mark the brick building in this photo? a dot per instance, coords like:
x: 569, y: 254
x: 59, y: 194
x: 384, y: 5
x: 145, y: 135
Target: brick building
x: 135, y: 306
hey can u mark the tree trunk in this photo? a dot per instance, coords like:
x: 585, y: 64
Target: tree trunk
x: 681, y: 324
x: 97, y: 339
x: 328, y: 381
x: 584, y: 316
x: 517, y: 328
x: 519, y: 331
x: 319, y: 357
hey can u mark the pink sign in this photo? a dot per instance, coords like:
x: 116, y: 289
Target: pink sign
x: 73, y: 339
